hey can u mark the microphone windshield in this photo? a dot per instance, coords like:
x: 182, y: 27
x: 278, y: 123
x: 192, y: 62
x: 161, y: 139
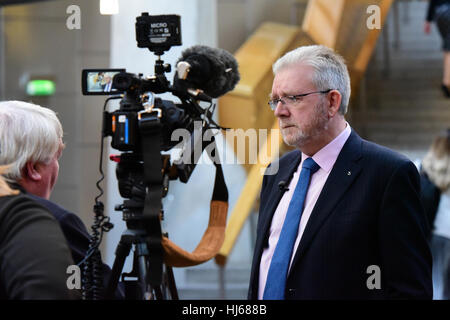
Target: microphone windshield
x: 213, y: 70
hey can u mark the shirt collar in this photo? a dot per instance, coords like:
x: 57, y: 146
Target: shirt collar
x: 327, y: 156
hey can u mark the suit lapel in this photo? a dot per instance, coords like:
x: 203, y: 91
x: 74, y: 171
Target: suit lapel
x: 345, y: 170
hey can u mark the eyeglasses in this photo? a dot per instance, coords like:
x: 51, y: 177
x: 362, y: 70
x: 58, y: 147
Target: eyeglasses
x: 291, y: 99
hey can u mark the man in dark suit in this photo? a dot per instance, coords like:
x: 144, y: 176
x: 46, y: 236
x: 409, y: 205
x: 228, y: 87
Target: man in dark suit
x: 342, y: 217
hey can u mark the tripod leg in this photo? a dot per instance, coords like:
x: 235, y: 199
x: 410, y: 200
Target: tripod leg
x: 171, y: 282
x: 146, y: 289
x: 122, y: 251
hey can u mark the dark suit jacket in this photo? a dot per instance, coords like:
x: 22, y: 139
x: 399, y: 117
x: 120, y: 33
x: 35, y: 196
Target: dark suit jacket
x: 34, y: 255
x: 73, y: 228
x: 368, y: 213
x: 76, y: 236
x: 432, y: 5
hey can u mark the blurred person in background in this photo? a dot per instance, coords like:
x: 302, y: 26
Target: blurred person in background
x: 439, y: 11
x: 34, y: 255
x: 436, y: 165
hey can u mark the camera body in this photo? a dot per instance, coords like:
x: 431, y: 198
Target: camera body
x: 123, y: 125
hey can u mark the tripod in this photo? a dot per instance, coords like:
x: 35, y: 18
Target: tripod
x: 142, y: 213
x: 142, y: 289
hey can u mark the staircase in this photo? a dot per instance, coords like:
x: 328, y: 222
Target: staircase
x: 403, y: 107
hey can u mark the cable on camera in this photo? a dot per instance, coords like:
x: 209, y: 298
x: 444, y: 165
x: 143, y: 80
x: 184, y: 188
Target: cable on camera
x: 92, y: 281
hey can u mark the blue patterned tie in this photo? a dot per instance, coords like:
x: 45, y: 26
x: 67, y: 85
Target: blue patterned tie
x: 276, y: 278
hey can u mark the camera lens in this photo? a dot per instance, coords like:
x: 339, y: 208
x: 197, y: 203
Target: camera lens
x: 123, y: 81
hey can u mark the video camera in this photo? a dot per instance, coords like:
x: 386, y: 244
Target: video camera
x: 142, y: 127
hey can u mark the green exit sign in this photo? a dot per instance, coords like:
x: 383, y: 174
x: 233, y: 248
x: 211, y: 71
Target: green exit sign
x: 40, y: 87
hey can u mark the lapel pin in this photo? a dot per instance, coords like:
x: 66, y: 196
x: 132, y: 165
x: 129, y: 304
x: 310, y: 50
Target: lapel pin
x: 349, y: 173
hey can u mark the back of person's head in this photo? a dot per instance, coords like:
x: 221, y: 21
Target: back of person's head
x: 330, y: 70
x: 28, y: 132
x: 436, y: 163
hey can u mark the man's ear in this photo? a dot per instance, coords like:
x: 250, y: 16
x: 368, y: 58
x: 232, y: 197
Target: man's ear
x: 334, y: 98
x: 31, y: 171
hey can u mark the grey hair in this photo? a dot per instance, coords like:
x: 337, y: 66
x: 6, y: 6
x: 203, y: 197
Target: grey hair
x: 330, y: 69
x: 28, y: 132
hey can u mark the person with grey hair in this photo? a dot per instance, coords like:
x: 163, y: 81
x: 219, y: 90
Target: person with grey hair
x: 436, y: 166
x: 31, y: 139
x: 342, y: 217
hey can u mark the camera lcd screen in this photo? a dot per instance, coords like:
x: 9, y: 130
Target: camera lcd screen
x: 99, y: 81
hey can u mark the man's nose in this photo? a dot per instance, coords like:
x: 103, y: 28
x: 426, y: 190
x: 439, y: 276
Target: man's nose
x: 281, y: 110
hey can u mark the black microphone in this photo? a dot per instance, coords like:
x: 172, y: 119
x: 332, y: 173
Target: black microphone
x: 282, y: 186
x: 213, y: 70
